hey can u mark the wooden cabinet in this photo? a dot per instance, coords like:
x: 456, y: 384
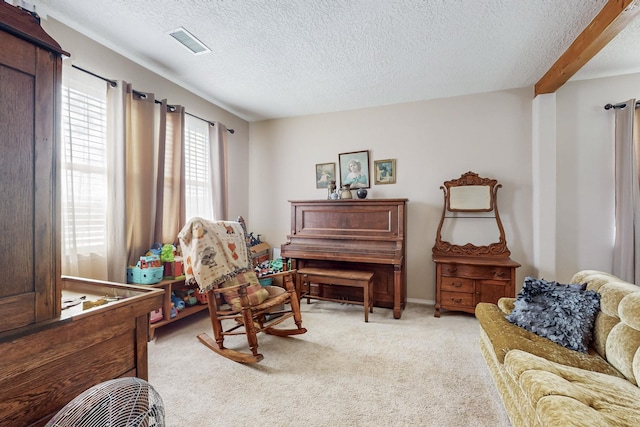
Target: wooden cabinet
x: 30, y: 66
x: 44, y: 366
x: 49, y: 356
x: 463, y: 282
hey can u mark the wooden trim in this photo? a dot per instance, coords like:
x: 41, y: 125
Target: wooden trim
x: 613, y: 18
x: 24, y: 25
x: 142, y: 335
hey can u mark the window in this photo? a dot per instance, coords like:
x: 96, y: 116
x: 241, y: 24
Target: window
x: 197, y: 169
x: 89, y: 212
x: 83, y: 170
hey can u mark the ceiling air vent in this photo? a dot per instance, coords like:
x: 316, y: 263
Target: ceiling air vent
x: 189, y: 41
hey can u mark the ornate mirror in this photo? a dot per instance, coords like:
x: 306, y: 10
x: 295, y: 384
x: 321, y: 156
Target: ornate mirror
x: 467, y: 198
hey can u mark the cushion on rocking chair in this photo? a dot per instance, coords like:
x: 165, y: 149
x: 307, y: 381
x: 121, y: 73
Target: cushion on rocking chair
x: 256, y: 292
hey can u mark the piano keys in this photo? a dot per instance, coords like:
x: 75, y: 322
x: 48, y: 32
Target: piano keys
x: 356, y: 234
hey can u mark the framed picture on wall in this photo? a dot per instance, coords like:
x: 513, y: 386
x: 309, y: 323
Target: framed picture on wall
x: 354, y: 169
x: 385, y: 171
x: 325, y: 172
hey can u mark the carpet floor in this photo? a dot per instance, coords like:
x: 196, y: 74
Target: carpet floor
x: 415, y: 371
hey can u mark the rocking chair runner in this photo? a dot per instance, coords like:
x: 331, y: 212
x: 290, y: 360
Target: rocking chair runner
x: 218, y: 260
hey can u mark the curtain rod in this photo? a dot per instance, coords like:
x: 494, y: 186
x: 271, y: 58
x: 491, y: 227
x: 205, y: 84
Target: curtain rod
x: 114, y: 83
x: 621, y: 105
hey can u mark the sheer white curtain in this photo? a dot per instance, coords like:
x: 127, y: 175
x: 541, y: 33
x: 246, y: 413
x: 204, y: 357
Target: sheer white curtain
x: 626, y: 256
x: 84, y: 168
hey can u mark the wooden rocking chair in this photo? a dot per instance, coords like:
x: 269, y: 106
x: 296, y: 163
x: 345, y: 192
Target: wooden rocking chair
x: 218, y: 260
x: 252, y: 319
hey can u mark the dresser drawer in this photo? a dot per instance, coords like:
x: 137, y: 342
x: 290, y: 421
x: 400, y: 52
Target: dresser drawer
x: 456, y: 299
x: 456, y: 284
x: 477, y: 271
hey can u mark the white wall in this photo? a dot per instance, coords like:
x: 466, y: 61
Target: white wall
x: 543, y: 163
x: 98, y: 59
x: 433, y: 141
x: 585, y: 171
x: 491, y: 134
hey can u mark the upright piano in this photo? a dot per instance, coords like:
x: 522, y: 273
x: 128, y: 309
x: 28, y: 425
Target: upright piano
x: 356, y: 234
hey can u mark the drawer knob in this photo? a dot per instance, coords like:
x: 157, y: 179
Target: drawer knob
x: 457, y: 285
x: 499, y: 273
x: 452, y: 269
x: 456, y: 300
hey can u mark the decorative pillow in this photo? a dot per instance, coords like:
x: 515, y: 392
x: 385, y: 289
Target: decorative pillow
x: 565, y: 314
x: 256, y: 292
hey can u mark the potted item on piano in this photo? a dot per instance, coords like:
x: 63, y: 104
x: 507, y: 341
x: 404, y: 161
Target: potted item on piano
x: 346, y: 192
x: 331, y: 189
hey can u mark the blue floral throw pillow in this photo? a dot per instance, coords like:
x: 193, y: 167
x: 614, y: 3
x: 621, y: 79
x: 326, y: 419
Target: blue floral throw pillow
x: 565, y: 314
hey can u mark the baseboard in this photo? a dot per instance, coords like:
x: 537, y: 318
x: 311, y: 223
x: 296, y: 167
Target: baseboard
x: 421, y: 301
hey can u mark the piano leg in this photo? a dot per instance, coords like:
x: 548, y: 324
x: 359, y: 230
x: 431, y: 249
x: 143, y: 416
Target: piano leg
x: 397, y: 291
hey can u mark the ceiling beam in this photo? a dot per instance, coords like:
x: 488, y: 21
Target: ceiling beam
x: 613, y: 18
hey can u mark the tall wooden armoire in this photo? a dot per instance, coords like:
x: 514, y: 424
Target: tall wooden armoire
x: 48, y: 355
x: 30, y: 66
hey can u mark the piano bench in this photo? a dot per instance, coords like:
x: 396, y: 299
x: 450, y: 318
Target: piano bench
x: 330, y: 276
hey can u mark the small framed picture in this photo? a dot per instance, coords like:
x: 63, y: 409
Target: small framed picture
x: 354, y: 169
x: 325, y: 172
x: 385, y: 171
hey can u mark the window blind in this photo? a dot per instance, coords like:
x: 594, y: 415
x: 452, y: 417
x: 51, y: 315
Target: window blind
x: 197, y: 177
x: 83, y: 166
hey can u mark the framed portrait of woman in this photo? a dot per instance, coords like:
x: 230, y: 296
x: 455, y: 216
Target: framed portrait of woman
x: 354, y: 169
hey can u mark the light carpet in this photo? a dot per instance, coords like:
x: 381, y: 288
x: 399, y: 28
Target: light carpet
x: 415, y: 371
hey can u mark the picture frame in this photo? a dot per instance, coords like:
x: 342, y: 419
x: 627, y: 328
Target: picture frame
x: 385, y: 171
x: 354, y: 169
x: 325, y: 172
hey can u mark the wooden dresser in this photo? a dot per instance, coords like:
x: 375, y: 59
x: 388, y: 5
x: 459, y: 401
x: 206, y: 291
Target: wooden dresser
x: 468, y: 274
x: 353, y: 234
x: 463, y: 282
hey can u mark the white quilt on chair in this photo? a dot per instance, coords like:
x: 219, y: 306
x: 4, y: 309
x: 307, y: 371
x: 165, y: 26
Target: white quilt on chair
x: 213, y: 251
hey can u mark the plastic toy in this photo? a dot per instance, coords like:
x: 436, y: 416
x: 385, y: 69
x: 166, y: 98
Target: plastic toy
x: 188, y: 296
x: 253, y: 240
x: 174, y: 311
x: 177, y: 302
x: 155, y: 249
x: 149, y: 261
x: 156, y: 315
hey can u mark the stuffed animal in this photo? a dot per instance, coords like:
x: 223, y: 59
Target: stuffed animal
x: 167, y: 253
x: 188, y: 296
x: 177, y: 302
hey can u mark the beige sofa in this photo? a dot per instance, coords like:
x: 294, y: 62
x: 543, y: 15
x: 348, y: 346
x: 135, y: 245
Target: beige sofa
x: 542, y: 383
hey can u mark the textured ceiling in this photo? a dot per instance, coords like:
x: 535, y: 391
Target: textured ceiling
x: 287, y: 58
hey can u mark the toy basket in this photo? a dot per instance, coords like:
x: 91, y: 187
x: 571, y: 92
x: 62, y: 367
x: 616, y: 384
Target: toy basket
x: 144, y: 276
